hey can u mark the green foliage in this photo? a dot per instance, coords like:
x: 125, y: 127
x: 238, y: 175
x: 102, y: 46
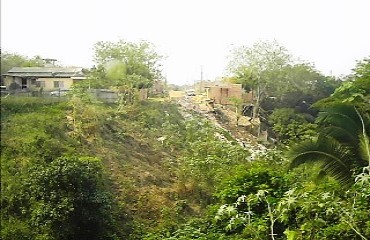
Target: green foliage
x: 355, y: 90
x: 67, y: 198
x: 60, y: 200
x: 47, y: 191
x: 301, y: 210
x: 165, y: 177
x: 83, y: 120
x: 362, y: 70
x: 125, y: 64
x: 16, y: 105
x: 32, y: 131
x: 193, y: 229
x: 258, y: 67
x: 116, y: 70
x: 207, y: 159
x: 306, y: 80
x: 268, y: 70
x: 259, y: 176
x: 328, y: 213
x: 343, y: 138
x: 10, y: 60
x: 249, y: 195
x: 262, y: 56
x: 290, y: 125
x: 334, y: 158
x: 352, y: 91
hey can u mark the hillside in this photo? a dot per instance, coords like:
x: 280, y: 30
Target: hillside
x: 79, y: 169
x: 144, y: 150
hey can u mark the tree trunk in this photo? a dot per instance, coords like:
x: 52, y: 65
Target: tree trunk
x: 256, y: 106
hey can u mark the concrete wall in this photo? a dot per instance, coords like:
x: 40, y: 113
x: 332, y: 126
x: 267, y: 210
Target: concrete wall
x: 143, y: 94
x: 31, y: 84
x: 248, y: 97
x: 9, y: 80
x: 176, y: 95
x: 157, y: 88
x: 49, y: 83
x: 104, y: 95
x: 222, y: 94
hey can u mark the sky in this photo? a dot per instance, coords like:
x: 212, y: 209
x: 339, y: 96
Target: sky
x: 192, y: 34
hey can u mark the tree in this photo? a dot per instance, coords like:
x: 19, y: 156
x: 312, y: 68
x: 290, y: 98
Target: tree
x: 10, y: 60
x: 289, y: 125
x: 122, y: 60
x: 343, y: 144
x: 259, y: 67
x: 237, y: 103
x: 67, y: 199
x: 301, y: 86
x: 354, y: 90
x: 126, y: 67
x: 268, y: 70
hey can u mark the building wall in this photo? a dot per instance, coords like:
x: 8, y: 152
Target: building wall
x: 143, y: 94
x: 31, y: 84
x: 176, y: 95
x: 215, y: 94
x: 236, y: 91
x: 104, y: 95
x: 49, y: 83
x: 248, y: 97
x: 222, y: 94
x: 158, y: 87
x: 9, y: 80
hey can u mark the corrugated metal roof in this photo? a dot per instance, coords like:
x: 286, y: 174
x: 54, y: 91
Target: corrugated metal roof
x: 45, y: 72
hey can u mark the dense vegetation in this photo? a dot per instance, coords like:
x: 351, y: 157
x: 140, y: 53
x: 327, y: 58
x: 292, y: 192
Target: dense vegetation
x: 81, y: 169
x: 10, y: 60
x: 74, y: 169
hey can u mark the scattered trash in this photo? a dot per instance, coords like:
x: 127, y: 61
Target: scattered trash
x: 161, y: 139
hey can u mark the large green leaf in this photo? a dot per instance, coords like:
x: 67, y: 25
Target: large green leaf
x: 342, y: 145
x: 334, y: 158
x: 364, y: 148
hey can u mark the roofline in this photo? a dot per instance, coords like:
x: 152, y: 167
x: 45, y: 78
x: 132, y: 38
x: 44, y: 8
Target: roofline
x: 51, y: 76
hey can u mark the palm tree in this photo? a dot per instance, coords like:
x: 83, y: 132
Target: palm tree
x: 342, y: 145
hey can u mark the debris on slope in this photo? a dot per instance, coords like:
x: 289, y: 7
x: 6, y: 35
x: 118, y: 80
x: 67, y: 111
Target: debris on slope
x: 238, y: 133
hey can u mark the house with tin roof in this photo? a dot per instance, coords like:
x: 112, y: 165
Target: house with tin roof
x: 45, y: 78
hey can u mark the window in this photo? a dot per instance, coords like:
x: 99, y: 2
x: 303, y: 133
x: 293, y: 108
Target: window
x: 24, y: 83
x: 40, y: 84
x: 58, y: 84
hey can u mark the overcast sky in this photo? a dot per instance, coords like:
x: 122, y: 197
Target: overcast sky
x: 332, y: 34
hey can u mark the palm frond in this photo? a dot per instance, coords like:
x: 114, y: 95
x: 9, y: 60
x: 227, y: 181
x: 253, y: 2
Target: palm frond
x: 335, y: 158
x: 342, y: 175
x: 364, y: 148
x: 341, y: 121
x: 320, y: 176
x: 341, y: 146
x: 341, y: 134
x: 343, y: 116
x: 344, y: 123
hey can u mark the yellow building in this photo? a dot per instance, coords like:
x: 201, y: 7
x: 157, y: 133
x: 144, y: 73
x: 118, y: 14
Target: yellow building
x: 47, y: 78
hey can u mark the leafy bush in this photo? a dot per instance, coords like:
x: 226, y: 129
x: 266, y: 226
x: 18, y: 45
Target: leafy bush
x: 290, y: 125
x: 64, y: 199
x: 68, y: 198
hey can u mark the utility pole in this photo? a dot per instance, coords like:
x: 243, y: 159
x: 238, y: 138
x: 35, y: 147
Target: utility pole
x: 201, y: 72
x: 201, y: 79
